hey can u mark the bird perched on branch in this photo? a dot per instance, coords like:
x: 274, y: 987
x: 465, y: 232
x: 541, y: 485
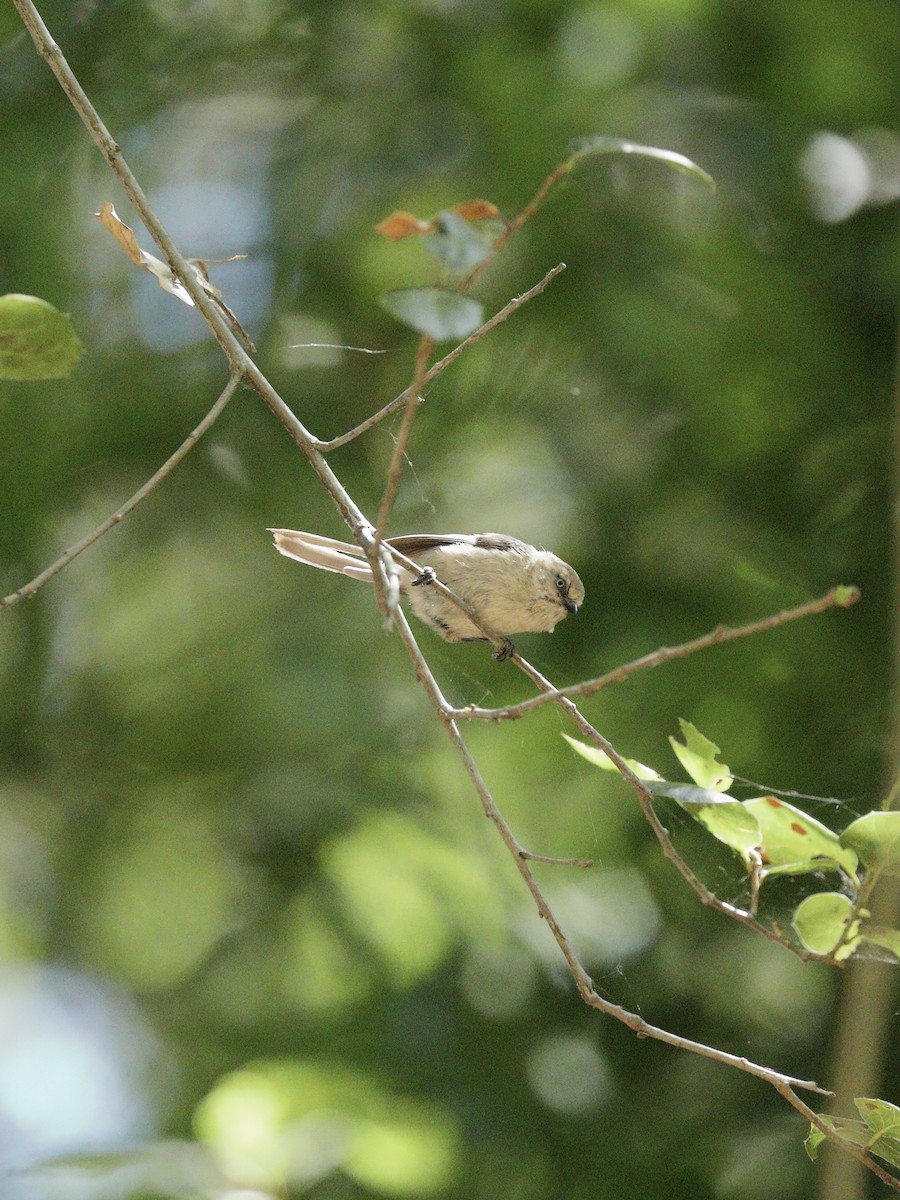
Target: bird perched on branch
x: 509, y: 586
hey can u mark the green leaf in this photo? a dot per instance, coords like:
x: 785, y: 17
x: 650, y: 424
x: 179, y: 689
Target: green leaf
x: 722, y: 816
x: 442, y: 315
x: 37, y: 341
x: 600, y: 759
x: 698, y: 756
x: 793, y: 842
x: 878, y: 1132
x: 814, y: 1140
x: 883, y: 936
x: 880, y: 1116
x: 876, y: 839
x: 457, y: 243
x: 821, y: 920
x: 600, y: 144
x: 854, y: 1131
x: 731, y: 824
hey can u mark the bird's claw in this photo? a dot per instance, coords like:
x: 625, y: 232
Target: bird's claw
x: 422, y: 580
x: 504, y: 651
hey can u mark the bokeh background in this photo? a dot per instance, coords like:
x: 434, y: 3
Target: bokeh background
x: 255, y: 932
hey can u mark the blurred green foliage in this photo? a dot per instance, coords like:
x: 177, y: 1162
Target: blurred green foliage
x: 247, y: 896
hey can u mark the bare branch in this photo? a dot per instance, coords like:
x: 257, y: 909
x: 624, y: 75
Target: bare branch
x: 218, y: 324
x: 645, y: 800
x: 399, y: 401
x: 586, y: 863
x: 395, y: 467
x: 512, y: 228
x: 28, y: 590
x: 840, y: 597
x: 784, y: 1083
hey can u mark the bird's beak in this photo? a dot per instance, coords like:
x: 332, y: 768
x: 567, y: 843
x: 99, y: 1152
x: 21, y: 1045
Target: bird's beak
x: 571, y: 606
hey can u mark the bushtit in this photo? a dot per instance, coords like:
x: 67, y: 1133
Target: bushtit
x: 510, y: 586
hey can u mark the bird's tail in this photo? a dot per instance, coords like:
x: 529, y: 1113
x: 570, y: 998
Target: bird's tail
x: 326, y: 553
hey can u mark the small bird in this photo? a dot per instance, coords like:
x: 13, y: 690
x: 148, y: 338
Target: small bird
x: 510, y: 586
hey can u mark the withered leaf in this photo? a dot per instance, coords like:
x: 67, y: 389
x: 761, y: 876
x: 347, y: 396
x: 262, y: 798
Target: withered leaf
x: 124, y: 235
x: 476, y: 210
x: 400, y: 225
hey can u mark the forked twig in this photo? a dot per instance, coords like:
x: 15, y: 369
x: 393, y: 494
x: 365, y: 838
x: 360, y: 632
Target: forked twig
x: 441, y: 365
x: 645, y: 800
x: 515, y: 224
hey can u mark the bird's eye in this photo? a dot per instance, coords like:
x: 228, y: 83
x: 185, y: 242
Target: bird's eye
x: 561, y: 583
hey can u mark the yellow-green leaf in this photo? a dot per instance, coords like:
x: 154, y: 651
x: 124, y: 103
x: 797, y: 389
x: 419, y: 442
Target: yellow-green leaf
x: 37, y: 341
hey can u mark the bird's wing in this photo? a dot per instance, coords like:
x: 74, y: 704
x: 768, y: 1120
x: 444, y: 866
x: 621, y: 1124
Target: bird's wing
x: 410, y: 543
x: 323, y: 552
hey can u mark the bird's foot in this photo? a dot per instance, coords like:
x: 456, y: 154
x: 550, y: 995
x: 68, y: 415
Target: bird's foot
x: 426, y: 577
x: 504, y: 651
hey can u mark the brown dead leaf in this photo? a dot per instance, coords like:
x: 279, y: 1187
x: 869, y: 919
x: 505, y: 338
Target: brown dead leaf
x: 476, y: 210
x: 123, y: 233
x: 161, y: 271
x: 401, y: 225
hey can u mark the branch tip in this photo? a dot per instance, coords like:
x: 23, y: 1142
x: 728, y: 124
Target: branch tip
x: 846, y: 595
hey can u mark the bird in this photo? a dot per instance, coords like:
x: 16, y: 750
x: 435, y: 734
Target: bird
x: 510, y: 586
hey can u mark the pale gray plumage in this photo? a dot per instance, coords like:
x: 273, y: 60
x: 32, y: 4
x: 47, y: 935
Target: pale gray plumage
x: 511, y: 586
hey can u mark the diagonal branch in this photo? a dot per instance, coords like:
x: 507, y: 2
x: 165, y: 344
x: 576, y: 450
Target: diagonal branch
x: 513, y: 226
x: 220, y: 328
x: 395, y: 467
x: 645, y: 800
x: 399, y: 401
x: 840, y: 597
x: 785, y: 1085
x: 28, y: 590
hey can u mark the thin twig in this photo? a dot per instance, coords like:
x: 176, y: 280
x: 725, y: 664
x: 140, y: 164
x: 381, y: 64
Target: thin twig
x: 586, y: 863
x: 28, y: 590
x: 582, y: 979
x: 433, y: 371
x: 645, y: 800
x: 842, y: 597
x: 384, y: 573
x: 512, y: 227
x: 398, y: 458
x: 785, y: 1085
